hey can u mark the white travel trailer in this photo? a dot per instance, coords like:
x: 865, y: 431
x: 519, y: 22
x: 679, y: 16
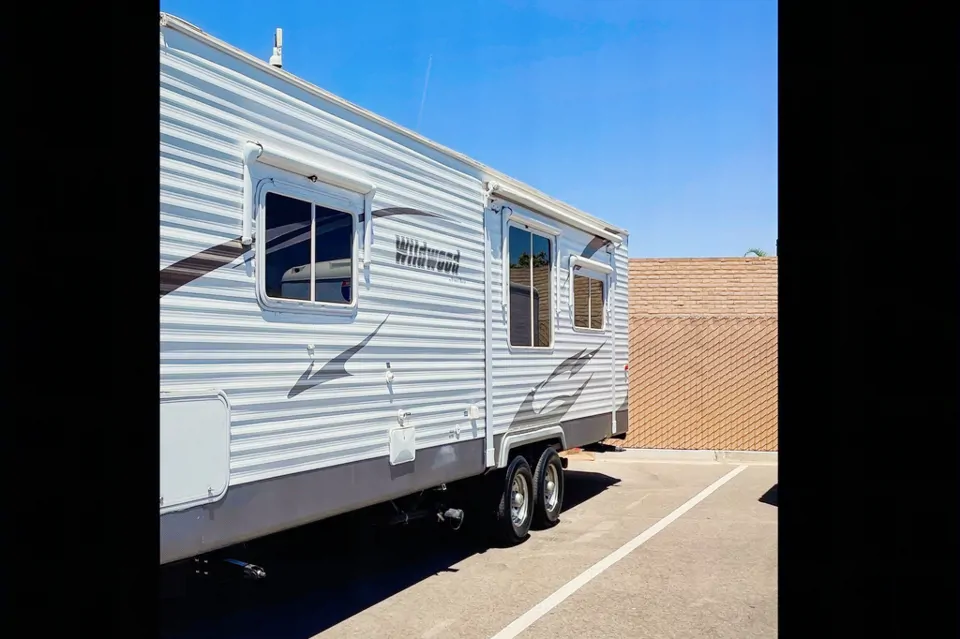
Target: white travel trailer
x: 351, y: 314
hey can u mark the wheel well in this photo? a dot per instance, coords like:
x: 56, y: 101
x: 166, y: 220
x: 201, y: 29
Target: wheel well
x: 532, y: 450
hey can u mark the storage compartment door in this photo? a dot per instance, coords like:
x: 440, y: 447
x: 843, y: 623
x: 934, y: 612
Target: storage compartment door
x: 194, y: 449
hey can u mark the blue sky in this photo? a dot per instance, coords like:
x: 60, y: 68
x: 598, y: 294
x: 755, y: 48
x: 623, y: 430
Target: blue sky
x: 660, y: 117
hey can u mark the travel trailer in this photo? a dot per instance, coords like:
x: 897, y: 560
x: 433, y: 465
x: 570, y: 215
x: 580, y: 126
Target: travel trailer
x: 352, y: 314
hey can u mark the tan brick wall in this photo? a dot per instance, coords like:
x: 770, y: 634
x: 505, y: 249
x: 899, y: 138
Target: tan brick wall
x: 703, y: 354
x: 708, y: 286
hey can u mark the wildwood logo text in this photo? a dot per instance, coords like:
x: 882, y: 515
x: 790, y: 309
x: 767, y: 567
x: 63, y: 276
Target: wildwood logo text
x: 416, y: 253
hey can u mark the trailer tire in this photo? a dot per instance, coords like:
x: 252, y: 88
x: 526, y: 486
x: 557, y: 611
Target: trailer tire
x: 548, y: 500
x: 515, y: 509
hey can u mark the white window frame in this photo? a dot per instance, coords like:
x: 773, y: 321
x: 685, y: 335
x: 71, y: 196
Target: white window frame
x: 553, y: 236
x: 594, y: 270
x: 318, y: 194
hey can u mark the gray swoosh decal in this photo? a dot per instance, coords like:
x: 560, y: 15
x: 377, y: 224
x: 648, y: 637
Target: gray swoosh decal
x: 390, y: 212
x: 595, y: 245
x: 333, y: 369
x: 571, y: 366
x: 196, y: 266
x: 526, y: 413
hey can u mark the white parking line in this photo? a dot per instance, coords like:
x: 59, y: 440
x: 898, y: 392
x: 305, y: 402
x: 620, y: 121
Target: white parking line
x: 528, y: 618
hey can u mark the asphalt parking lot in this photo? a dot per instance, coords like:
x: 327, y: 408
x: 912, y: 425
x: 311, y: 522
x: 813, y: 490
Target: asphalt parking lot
x: 644, y: 549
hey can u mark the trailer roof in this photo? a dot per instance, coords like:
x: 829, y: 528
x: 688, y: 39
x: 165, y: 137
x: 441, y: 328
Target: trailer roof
x: 182, y: 26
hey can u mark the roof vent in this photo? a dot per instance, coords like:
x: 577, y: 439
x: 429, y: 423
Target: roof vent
x: 276, y: 59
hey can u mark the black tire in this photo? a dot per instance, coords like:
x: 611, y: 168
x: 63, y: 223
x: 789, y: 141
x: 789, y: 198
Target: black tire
x: 547, y: 515
x: 506, y: 529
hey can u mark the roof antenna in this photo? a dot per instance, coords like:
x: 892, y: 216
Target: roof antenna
x: 276, y: 60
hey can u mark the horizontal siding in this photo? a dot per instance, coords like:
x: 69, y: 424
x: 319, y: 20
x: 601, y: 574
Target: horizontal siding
x: 622, y: 295
x: 516, y: 372
x: 213, y: 332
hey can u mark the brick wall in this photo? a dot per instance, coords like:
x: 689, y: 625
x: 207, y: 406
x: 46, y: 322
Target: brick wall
x: 707, y: 286
x: 703, y: 353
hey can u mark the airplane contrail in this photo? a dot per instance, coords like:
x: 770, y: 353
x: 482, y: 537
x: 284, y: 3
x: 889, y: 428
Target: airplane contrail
x: 423, y: 98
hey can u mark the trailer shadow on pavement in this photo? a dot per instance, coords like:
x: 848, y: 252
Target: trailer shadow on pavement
x: 770, y: 497
x: 321, y: 574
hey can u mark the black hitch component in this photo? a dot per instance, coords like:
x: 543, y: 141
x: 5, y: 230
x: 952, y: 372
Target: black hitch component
x: 250, y: 571
x: 453, y: 516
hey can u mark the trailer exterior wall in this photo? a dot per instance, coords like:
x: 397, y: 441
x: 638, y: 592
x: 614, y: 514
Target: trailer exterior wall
x: 298, y: 457
x: 622, y: 355
x: 531, y: 375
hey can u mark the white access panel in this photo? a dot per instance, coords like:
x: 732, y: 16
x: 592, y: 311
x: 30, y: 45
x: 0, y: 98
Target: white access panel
x: 194, y: 449
x: 403, y: 445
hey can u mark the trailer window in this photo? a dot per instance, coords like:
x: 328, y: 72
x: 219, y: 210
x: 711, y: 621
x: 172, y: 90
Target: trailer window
x: 530, y: 288
x: 308, y: 251
x: 587, y: 302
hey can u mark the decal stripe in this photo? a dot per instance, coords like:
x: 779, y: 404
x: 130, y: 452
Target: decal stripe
x: 196, y: 266
x: 390, y: 212
x: 526, y: 414
x: 595, y: 245
x: 333, y: 369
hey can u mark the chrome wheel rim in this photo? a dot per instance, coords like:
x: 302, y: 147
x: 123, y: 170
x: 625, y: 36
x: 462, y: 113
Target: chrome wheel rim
x: 551, y: 489
x: 519, y: 500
